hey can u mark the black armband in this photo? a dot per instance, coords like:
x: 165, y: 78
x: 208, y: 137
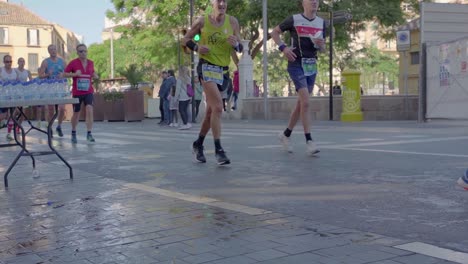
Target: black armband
x: 191, y: 45
x: 239, y: 48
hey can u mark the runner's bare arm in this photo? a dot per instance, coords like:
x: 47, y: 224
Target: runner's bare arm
x: 42, y: 70
x: 188, y: 42
x: 235, y: 40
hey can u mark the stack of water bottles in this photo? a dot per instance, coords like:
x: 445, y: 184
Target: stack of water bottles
x: 37, y: 89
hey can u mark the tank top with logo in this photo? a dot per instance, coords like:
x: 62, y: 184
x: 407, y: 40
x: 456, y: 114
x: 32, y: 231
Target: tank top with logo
x: 215, y: 38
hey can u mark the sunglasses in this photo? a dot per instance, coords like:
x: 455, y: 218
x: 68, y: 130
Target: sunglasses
x: 7, y: 61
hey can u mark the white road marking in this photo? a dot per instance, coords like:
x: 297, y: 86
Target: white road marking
x: 402, y: 152
x: 73, y: 161
x: 398, y: 142
x: 436, y: 252
x: 410, y: 136
x: 265, y: 147
x: 198, y: 199
x: 126, y: 136
x: 366, y: 139
x: 65, y: 141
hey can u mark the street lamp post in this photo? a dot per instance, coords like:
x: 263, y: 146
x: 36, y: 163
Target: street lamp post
x: 265, y: 59
x: 112, y: 51
x: 192, y: 67
x: 330, y: 88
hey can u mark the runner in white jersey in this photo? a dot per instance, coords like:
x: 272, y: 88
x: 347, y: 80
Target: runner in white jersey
x: 307, y: 38
x: 7, y: 73
x: 24, y: 75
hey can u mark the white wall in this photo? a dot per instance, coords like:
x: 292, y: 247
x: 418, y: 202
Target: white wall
x: 443, y: 91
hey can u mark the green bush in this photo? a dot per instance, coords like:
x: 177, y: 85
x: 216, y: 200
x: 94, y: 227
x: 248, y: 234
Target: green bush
x: 113, y: 96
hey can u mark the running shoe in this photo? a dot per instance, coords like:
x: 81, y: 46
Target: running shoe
x: 285, y: 142
x: 59, y: 131
x: 73, y: 139
x: 312, y: 148
x: 9, y: 137
x: 90, y: 138
x: 463, y: 181
x: 221, y: 157
x: 198, y: 155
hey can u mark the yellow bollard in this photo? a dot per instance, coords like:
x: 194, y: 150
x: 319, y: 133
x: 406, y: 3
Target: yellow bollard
x: 351, y: 91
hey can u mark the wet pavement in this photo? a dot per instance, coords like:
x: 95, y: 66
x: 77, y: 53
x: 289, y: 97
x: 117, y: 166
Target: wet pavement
x: 379, y: 192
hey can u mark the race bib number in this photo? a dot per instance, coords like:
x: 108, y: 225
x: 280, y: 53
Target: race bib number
x: 83, y: 84
x: 212, y: 73
x: 309, y: 65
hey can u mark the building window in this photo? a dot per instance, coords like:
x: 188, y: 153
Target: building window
x: 388, y: 44
x: 414, y: 57
x: 3, y: 36
x: 33, y: 62
x: 33, y: 37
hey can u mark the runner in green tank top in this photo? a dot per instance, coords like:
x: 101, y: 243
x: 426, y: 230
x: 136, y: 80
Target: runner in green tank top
x: 220, y: 35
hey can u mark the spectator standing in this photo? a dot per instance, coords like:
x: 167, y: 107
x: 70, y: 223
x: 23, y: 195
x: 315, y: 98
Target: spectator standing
x: 170, y: 82
x: 235, y: 89
x: 198, y: 95
x: 181, y: 94
x: 161, y: 96
x: 336, y: 89
x: 174, y: 106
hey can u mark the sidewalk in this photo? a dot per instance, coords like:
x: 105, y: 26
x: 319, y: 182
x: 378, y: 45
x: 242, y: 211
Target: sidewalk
x: 96, y: 220
x: 103, y: 218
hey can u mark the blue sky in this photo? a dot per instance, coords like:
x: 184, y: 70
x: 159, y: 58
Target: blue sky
x: 85, y: 17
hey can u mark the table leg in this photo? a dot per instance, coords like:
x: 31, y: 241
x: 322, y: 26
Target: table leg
x: 49, y: 140
x: 23, y: 134
x: 22, y: 145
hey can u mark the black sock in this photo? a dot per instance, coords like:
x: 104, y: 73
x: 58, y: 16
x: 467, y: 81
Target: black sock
x: 73, y: 132
x: 200, y: 140
x: 287, y: 132
x: 308, y: 137
x: 89, y: 132
x: 217, y: 143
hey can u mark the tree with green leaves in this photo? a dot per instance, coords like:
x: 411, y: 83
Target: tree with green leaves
x: 376, y: 67
x: 133, y: 74
x: 152, y: 28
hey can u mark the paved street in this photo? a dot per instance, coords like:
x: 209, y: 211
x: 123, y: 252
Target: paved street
x: 379, y: 192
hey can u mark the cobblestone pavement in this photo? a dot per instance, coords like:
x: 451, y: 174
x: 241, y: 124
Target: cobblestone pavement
x: 137, y: 198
